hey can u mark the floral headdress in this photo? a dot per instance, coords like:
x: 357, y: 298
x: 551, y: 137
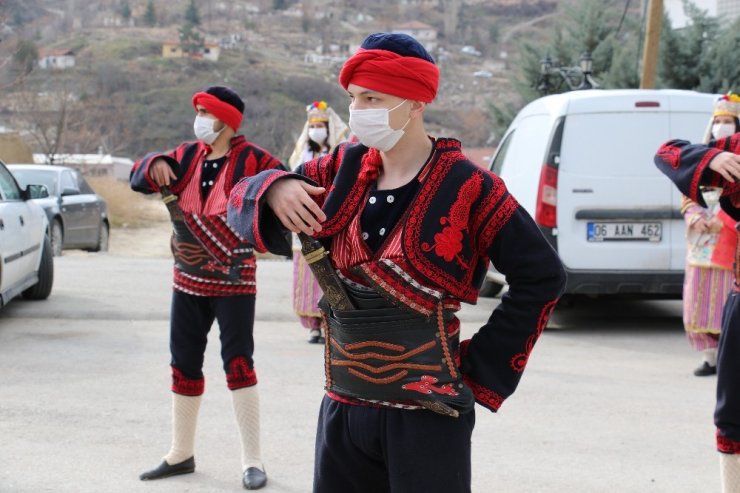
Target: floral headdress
x: 728, y: 105
x: 317, y: 112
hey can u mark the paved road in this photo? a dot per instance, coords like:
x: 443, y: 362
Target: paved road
x: 607, y: 403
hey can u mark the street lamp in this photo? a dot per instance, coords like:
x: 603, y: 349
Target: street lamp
x: 575, y: 78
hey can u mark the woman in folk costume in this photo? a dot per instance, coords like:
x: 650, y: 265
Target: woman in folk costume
x: 324, y: 129
x: 214, y: 274
x: 411, y: 225
x: 717, y: 164
x: 711, y: 243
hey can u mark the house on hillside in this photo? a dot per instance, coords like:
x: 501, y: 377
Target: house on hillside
x: 209, y: 51
x: 56, y: 58
x: 424, y: 33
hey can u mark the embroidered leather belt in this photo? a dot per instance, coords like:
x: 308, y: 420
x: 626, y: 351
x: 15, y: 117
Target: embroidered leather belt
x: 192, y: 258
x: 382, y: 352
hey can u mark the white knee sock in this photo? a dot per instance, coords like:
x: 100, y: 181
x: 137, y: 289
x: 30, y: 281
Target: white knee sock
x: 247, y: 410
x: 729, y: 465
x: 710, y: 356
x: 184, y: 420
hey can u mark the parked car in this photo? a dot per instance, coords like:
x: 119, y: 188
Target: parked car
x: 78, y: 217
x: 581, y: 164
x: 26, y: 260
x: 484, y: 74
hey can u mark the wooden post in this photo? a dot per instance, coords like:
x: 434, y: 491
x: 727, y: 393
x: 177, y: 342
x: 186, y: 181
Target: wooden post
x: 652, y: 42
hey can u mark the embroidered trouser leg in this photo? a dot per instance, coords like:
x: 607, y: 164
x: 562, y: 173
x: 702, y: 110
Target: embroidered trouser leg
x: 191, y: 320
x: 361, y: 449
x: 727, y: 412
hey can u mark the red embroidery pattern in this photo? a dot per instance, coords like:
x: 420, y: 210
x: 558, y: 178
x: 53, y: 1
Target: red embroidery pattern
x: 700, y: 171
x: 670, y: 155
x: 489, y: 203
x: 460, y: 288
x: 236, y: 197
x: 240, y: 375
x: 500, y: 218
x: 484, y: 396
x: 425, y: 385
x: 448, y: 243
x: 185, y: 386
x: 726, y: 445
x: 519, y: 361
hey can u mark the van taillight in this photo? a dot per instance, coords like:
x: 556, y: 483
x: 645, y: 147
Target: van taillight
x: 547, y: 194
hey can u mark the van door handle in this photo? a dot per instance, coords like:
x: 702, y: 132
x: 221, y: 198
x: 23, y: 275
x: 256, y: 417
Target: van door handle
x: 23, y: 222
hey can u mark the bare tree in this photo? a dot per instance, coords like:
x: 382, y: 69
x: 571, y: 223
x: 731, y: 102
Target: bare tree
x: 44, y: 116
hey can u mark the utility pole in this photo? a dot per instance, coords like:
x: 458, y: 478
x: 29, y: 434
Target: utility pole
x: 652, y: 42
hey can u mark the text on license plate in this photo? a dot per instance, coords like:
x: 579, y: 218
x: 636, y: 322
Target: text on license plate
x: 624, y: 231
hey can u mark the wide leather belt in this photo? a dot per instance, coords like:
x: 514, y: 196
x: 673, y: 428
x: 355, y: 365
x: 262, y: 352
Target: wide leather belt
x: 382, y: 352
x: 192, y: 258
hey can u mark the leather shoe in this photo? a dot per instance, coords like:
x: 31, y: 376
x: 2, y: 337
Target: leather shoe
x: 254, y: 478
x: 165, y: 470
x: 705, y: 370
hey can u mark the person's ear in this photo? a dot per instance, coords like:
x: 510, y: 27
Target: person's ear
x: 417, y: 109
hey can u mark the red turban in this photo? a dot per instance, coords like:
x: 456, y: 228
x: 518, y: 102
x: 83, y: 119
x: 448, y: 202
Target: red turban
x: 384, y: 71
x: 222, y: 110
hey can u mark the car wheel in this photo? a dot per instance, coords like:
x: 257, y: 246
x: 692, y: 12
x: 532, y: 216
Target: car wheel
x: 490, y: 289
x: 42, y: 289
x: 103, y: 237
x: 56, y: 235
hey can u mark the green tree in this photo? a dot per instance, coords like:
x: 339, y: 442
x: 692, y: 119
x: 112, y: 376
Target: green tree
x: 190, y: 40
x: 125, y: 10
x: 26, y: 56
x: 191, y: 14
x: 685, y: 53
x: 150, y: 15
x: 594, y: 26
x: 723, y: 71
x: 279, y: 4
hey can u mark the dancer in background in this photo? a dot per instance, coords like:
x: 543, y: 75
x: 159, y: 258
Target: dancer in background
x: 323, y: 130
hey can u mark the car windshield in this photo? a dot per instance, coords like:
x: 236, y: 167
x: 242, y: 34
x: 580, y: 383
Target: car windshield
x: 27, y: 177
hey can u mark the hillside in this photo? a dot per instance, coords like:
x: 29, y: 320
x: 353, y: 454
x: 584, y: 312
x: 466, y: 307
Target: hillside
x: 124, y: 97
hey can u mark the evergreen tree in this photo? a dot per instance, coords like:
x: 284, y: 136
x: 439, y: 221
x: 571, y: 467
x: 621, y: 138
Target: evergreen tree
x: 723, y: 71
x: 125, y: 10
x: 150, y: 16
x: 191, y: 14
x: 26, y: 56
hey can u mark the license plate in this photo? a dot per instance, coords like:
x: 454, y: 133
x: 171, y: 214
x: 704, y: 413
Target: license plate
x: 624, y: 231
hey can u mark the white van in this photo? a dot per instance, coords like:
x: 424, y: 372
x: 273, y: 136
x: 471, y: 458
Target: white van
x: 581, y: 163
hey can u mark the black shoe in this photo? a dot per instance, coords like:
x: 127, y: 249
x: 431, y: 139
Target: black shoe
x: 315, y: 337
x: 254, y: 478
x: 164, y: 470
x: 705, y: 370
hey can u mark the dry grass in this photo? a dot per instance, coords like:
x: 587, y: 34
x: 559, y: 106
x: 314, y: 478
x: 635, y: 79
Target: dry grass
x: 126, y: 208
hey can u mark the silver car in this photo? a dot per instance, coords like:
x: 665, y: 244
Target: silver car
x: 26, y: 261
x: 78, y: 217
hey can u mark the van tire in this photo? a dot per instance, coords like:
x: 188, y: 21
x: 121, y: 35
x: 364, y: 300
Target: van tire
x: 42, y: 289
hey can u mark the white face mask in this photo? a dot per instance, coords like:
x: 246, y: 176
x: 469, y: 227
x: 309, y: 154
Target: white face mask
x: 720, y: 130
x: 203, y: 129
x: 317, y: 134
x: 372, y: 127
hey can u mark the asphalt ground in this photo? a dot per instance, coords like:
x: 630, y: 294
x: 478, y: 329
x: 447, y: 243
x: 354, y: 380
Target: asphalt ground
x: 607, y: 403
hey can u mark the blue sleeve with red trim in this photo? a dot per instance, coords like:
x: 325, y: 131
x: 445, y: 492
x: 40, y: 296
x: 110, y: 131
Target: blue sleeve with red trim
x: 493, y: 360
x: 139, y: 177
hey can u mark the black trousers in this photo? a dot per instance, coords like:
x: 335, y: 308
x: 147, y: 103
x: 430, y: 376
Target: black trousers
x: 375, y: 450
x: 727, y: 412
x: 191, y: 319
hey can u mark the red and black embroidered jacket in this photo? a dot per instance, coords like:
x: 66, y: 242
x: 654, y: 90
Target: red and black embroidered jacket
x: 206, y: 218
x: 461, y: 217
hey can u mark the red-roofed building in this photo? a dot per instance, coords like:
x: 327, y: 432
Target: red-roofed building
x: 56, y: 58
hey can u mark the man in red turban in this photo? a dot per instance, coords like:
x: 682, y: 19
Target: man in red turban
x: 411, y: 224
